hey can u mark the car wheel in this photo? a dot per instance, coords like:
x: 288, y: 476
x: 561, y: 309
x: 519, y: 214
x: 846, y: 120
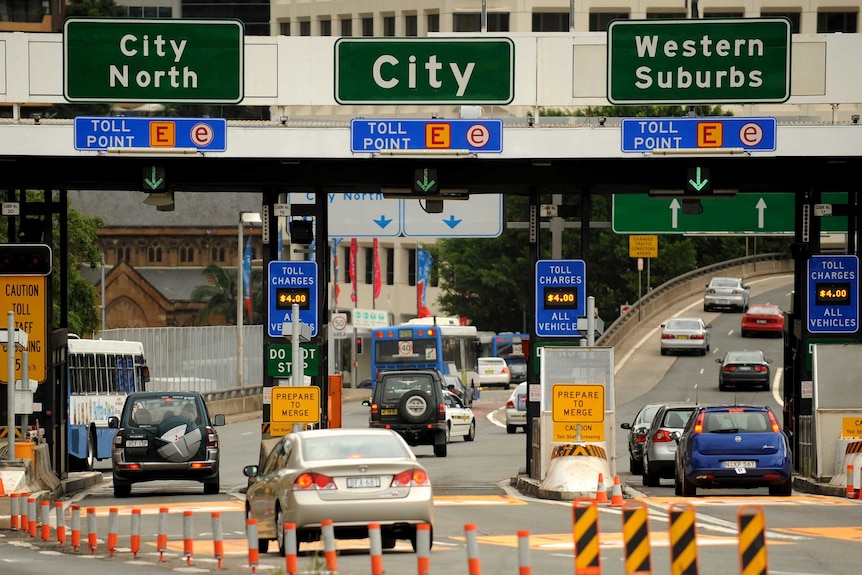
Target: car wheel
x: 677, y: 488
x: 440, y: 449
x: 664, y: 352
x: 90, y: 461
x: 471, y: 434
x: 687, y: 489
x: 122, y: 489
x: 703, y: 351
x: 783, y: 490
x: 511, y: 429
x: 651, y: 478
x: 415, y: 543
x: 635, y: 467
x: 279, y: 531
x: 211, y: 486
x: 387, y: 541
x: 722, y: 386
x: 414, y: 406
x: 448, y: 431
x: 262, y: 544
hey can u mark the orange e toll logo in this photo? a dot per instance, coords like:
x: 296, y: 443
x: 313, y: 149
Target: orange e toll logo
x: 163, y: 134
x: 438, y: 135
x: 710, y: 135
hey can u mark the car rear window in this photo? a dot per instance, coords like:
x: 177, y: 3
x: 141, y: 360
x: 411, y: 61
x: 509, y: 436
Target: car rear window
x: 683, y: 324
x: 744, y: 357
x: 764, y: 311
x: 737, y: 422
x: 146, y: 411
x: 676, y: 418
x: 725, y: 283
x: 352, y: 447
x: 396, y: 386
x: 492, y: 362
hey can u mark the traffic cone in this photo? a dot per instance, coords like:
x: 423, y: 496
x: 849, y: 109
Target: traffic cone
x: 849, y: 490
x: 601, y: 492
x: 617, y: 493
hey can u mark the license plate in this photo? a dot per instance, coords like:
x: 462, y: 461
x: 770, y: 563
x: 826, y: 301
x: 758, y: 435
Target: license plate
x: 735, y: 464
x: 363, y: 482
x: 136, y: 443
x: 682, y: 337
x: 744, y: 368
x: 489, y: 372
x: 388, y: 412
x: 761, y: 321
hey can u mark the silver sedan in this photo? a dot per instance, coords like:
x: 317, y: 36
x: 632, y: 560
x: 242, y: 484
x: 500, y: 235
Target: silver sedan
x: 352, y: 477
x: 685, y: 334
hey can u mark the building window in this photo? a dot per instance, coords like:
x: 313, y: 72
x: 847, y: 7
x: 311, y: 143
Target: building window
x: 390, y: 266
x: 369, y: 265
x: 368, y: 26
x: 411, y: 267
x: 411, y: 26
x: 154, y: 254
x: 794, y: 17
x: 832, y: 22
x: 284, y: 28
x: 124, y: 254
x: 326, y: 27
x: 305, y: 28
x: 723, y: 15
x: 599, y: 20
x: 218, y: 254
x: 187, y: 254
x: 345, y: 263
x: 666, y: 15
x: 550, y: 21
x: 433, y: 22
x: 346, y: 27
x: 389, y: 26
x: 166, y: 12
x: 472, y: 22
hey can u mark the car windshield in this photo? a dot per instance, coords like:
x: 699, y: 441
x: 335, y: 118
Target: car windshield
x: 684, y: 324
x: 352, y: 447
x: 744, y: 357
x: 736, y: 422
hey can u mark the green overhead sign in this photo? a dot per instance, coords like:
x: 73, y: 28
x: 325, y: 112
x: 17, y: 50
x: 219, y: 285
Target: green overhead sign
x: 424, y: 70
x: 711, y: 61
x: 162, y: 60
x: 742, y: 213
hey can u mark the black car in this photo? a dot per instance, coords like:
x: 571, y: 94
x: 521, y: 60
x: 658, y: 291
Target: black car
x: 165, y: 435
x: 410, y: 402
x: 517, y: 368
x: 638, y: 429
x: 747, y: 369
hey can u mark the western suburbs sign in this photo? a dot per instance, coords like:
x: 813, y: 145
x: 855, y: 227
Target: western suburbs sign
x: 161, y: 60
x: 712, y: 61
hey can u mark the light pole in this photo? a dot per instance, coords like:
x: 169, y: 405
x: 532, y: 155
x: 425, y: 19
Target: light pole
x: 250, y: 218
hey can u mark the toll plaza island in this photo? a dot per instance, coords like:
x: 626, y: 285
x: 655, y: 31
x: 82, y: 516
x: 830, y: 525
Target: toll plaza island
x: 455, y: 119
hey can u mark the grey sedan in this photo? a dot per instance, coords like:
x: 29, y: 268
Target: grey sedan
x: 685, y: 334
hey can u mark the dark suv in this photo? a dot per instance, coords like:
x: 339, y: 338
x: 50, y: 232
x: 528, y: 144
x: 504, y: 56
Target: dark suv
x: 165, y: 435
x: 410, y: 402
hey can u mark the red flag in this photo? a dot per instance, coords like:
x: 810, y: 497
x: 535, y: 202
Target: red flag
x: 354, y: 249
x: 376, y: 269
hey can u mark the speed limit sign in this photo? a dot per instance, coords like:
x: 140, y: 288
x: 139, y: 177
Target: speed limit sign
x: 339, y: 325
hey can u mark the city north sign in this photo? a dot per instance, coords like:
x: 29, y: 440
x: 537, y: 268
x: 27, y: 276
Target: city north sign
x: 163, y: 60
x: 712, y: 61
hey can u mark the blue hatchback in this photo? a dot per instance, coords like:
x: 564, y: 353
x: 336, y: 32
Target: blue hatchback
x: 733, y: 446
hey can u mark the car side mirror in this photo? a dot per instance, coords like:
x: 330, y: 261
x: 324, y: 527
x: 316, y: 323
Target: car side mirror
x: 626, y: 425
x: 789, y: 434
x: 114, y: 422
x: 708, y: 326
x: 719, y: 360
x: 251, y: 470
x: 366, y: 403
x: 218, y: 420
x: 675, y: 436
x: 768, y: 361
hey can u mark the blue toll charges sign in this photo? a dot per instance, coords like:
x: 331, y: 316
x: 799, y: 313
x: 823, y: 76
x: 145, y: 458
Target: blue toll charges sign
x: 479, y: 136
x: 649, y: 134
x: 100, y: 133
x: 833, y: 294
x: 292, y: 283
x: 560, y: 297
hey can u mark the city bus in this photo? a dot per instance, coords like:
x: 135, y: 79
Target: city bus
x: 100, y: 373
x: 452, y: 349
x: 508, y: 344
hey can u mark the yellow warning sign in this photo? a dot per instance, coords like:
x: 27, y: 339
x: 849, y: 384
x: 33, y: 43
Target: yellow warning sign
x: 643, y: 246
x: 295, y: 405
x: 578, y: 403
x: 26, y: 297
x: 851, y: 427
x: 570, y: 432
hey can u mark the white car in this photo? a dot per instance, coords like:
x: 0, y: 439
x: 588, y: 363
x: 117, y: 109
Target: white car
x: 460, y: 421
x: 516, y: 409
x: 494, y: 371
x: 730, y: 293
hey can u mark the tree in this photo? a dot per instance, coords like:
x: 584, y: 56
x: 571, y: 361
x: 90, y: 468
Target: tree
x: 220, y: 294
x: 91, y: 8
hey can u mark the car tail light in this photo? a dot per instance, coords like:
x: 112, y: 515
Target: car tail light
x: 212, y: 438
x: 641, y: 437
x: 510, y: 404
x: 375, y: 411
x: 760, y: 368
x: 441, y: 411
x: 119, y: 440
x: 668, y: 336
x: 710, y: 290
x: 410, y: 478
x: 317, y: 481
x: 698, y: 423
x: 728, y: 368
x: 696, y: 336
x: 504, y: 370
x: 661, y: 436
x: 775, y: 426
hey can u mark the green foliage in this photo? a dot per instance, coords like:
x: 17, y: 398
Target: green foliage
x: 636, y: 111
x: 92, y: 8
x: 220, y: 293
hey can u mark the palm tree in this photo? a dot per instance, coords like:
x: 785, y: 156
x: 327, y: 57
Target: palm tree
x: 220, y: 295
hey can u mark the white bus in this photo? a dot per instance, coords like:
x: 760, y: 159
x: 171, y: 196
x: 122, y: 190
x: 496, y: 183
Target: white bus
x: 100, y: 373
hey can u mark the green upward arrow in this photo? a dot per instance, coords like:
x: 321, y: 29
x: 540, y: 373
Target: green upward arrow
x: 698, y: 184
x: 152, y: 182
x: 424, y: 184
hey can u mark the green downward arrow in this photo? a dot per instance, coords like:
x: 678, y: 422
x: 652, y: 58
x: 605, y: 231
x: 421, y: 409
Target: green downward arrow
x: 425, y: 184
x: 698, y: 184
x: 152, y: 182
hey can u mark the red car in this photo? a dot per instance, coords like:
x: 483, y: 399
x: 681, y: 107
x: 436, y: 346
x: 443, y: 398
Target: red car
x: 764, y: 318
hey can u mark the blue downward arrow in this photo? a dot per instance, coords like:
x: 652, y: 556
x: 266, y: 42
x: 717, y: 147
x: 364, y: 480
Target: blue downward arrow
x: 382, y: 222
x: 452, y: 222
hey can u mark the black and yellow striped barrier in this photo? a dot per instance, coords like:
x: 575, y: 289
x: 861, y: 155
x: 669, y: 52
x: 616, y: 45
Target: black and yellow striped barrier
x: 855, y: 447
x: 636, y: 538
x: 5, y: 429
x: 683, y: 540
x: 752, y: 540
x: 585, y: 526
x: 577, y: 449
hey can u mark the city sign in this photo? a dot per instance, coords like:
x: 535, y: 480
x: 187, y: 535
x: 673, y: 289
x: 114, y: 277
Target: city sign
x: 292, y: 282
x: 833, y: 294
x: 279, y: 360
x: 427, y: 70
x: 474, y: 135
x: 751, y: 213
x: 369, y: 318
x: 101, y: 133
x: 560, y: 297
x: 647, y: 134
x: 153, y: 60
x: 27, y: 298
x: 710, y: 61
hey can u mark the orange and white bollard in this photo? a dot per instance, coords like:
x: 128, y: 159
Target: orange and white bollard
x: 601, y: 490
x: 849, y: 489
x: 162, y: 536
x: 113, y: 528
x: 290, y: 548
x: 45, y: 520
x: 60, y: 520
x: 92, y: 534
x: 76, y: 527
x: 423, y: 549
x: 376, y: 552
x: 32, y: 519
x: 327, y: 533
x: 251, y: 532
x: 23, y: 519
x: 13, y: 511
x: 135, y: 539
x: 617, y: 493
x: 188, y: 536
x: 473, y: 565
x: 524, y: 567
x: 218, y: 538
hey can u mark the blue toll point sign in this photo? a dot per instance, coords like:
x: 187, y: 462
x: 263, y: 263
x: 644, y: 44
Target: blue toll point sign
x: 649, y: 134
x: 292, y: 283
x: 478, y: 136
x: 560, y: 297
x: 101, y: 133
x: 833, y: 294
